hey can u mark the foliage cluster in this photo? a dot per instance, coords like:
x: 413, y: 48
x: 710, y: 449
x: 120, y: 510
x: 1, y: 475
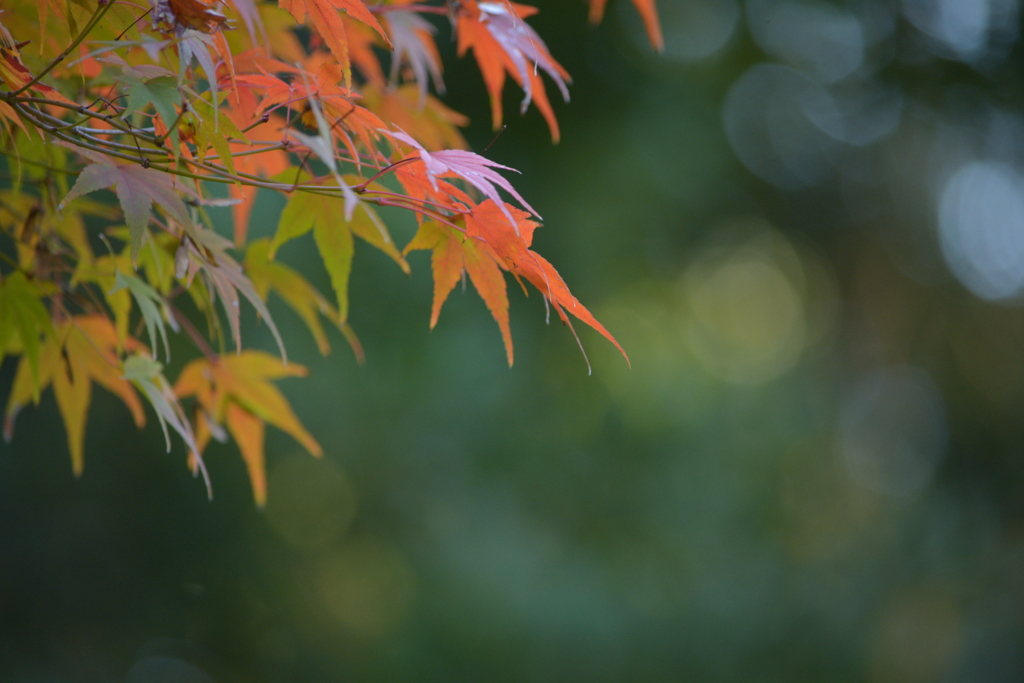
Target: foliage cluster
x: 325, y: 101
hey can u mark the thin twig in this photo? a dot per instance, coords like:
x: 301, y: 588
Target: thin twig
x: 97, y: 15
x: 390, y: 167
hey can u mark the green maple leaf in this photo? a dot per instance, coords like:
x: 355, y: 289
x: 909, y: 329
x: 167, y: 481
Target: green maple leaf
x: 137, y: 188
x: 23, y: 313
x: 325, y: 216
x: 213, y: 128
x: 162, y: 93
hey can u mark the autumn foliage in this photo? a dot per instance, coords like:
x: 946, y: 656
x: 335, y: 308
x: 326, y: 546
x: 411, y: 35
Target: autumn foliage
x: 328, y: 102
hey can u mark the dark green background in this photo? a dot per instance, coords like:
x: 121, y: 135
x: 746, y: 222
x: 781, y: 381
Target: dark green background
x: 691, y: 519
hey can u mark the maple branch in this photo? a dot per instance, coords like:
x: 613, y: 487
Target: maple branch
x: 260, y: 121
x: 137, y: 20
x: 104, y: 5
x: 81, y: 109
x: 416, y: 199
x: 384, y: 201
x: 118, y: 145
x: 497, y: 135
x: 390, y: 167
x: 260, y: 150
x: 48, y: 167
x: 95, y: 145
x: 72, y: 139
x: 110, y: 131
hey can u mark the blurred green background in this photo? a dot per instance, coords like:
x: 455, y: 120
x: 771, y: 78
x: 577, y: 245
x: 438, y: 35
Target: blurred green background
x: 804, y: 222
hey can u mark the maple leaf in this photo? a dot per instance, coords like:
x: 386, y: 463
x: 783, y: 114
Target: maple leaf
x: 137, y: 189
x: 147, y: 374
x: 152, y: 306
x: 161, y: 92
x: 413, y: 40
x: 487, y: 246
x: 648, y: 12
x: 15, y: 76
x: 213, y: 128
x: 8, y: 113
x: 236, y: 390
x: 251, y: 17
x: 22, y: 312
x: 419, y: 185
x: 178, y: 15
x: 104, y: 273
x: 333, y: 232
x: 453, y: 254
x: 59, y: 8
x: 197, y: 44
x: 297, y: 292
x: 266, y: 164
x: 431, y: 123
x: 512, y: 250
x: 325, y: 19
x: 322, y: 145
x: 501, y: 41
x: 206, y: 251
x: 80, y: 352
x: 324, y: 99
x: 361, y: 41
x: 274, y: 91
x: 471, y: 167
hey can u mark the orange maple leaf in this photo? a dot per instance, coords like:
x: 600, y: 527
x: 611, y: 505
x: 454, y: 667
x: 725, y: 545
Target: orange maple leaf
x: 648, y: 12
x: 82, y: 352
x: 433, y: 125
x: 489, y: 223
x: 267, y: 164
x: 455, y: 253
x: 234, y: 390
x: 488, y: 245
x: 325, y: 19
x: 502, y: 41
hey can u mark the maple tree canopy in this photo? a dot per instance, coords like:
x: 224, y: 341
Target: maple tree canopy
x: 162, y: 101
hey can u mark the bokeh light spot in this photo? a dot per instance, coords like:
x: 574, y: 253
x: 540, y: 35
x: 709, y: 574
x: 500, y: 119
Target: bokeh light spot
x: 310, y: 502
x: 693, y: 29
x: 962, y: 27
x: 367, y: 587
x: 823, y: 41
x: 746, y: 317
x: 981, y: 228
x: 893, y: 431
x: 783, y: 126
x: 918, y: 638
